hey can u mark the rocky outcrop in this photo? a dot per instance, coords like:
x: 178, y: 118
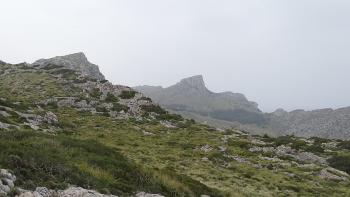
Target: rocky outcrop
x: 7, y: 180
x: 325, y: 123
x: 191, y: 98
x: 7, y: 187
x: 76, y: 61
x: 286, y: 151
x: 330, y: 173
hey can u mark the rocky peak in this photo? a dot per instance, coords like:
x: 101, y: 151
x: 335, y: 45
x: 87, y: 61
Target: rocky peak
x: 75, y: 61
x: 194, y: 82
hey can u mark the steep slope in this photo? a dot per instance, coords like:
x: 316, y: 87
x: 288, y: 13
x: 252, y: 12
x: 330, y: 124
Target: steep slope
x: 63, y: 129
x: 191, y: 96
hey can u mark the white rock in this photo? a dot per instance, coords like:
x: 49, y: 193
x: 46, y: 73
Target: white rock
x: 144, y: 194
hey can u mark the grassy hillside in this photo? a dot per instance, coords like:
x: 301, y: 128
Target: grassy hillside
x: 144, y: 148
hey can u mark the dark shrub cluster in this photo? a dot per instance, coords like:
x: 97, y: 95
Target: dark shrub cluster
x: 127, y: 94
x: 111, y: 98
x: 96, y: 93
x: 341, y: 162
x: 153, y: 108
x: 119, y: 107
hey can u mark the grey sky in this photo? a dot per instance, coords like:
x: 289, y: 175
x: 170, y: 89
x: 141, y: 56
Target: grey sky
x: 279, y: 53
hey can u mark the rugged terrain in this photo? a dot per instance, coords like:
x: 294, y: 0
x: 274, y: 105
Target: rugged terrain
x: 192, y: 99
x: 64, y: 132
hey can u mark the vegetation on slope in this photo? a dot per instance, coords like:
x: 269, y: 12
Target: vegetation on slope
x: 162, y: 154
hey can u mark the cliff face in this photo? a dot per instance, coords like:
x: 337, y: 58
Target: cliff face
x: 191, y: 95
x: 76, y: 61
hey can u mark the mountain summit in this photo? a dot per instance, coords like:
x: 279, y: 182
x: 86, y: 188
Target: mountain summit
x: 195, y: 82
x: 190, y: 97
x: 75, y: 61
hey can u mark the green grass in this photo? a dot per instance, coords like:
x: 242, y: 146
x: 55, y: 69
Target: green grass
x: 57, y: 161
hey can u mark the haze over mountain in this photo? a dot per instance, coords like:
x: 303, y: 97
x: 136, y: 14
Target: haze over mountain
x: 191, y: 95
x: 192, y: 99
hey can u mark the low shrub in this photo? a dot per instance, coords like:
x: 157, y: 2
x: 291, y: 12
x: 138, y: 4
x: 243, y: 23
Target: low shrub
x: 153, y: 108
x: 145, y: 98
x: 344, y: 145
x: 127, y: 94
x: 111, y: 98
x: 96, y: 93
x: 101, y: 109
x: 243, y: 144
x: 170, y: 117
x: 341, y: 162
x: 119, y: 107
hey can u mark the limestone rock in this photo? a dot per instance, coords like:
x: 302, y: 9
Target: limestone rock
x: 76, y: 61
x: 144, y: 194
x: 333, y: 174
x: 6, y: 182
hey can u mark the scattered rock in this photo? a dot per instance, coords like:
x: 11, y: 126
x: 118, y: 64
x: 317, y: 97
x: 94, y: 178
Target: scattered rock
x: 167, y: 124
x: 258, y: 142
x: 222, y: 148
x: 206, y: 148
x: 147, y: 133
x: 144, y: 194
x: 333, y: 174
x: 205, y: 159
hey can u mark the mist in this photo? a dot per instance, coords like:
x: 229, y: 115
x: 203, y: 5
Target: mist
x: 279, y: 53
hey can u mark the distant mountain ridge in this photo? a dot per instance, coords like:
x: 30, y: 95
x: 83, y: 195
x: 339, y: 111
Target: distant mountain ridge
x: 191, y: 95
x: 327, y: 123
x: 192, y: 99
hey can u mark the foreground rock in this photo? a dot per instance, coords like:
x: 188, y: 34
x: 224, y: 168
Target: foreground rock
x: 7, y: 187
x: 6, y: 182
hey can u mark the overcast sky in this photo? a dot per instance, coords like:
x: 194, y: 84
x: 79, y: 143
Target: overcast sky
x: 280, y: 53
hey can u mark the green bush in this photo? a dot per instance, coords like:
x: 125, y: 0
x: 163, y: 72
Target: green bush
x: 243, y: 144
x: 101, y: 109
x: 66, y: 73
x: 145, y: 98
x: 153, y: 108
x: 170, y: 117
x: 96, y: 93
x: 344, y: 145
x: 127, y: 94
x: 341, y: 162
x: 119, y: 107
x: 111, y: 98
